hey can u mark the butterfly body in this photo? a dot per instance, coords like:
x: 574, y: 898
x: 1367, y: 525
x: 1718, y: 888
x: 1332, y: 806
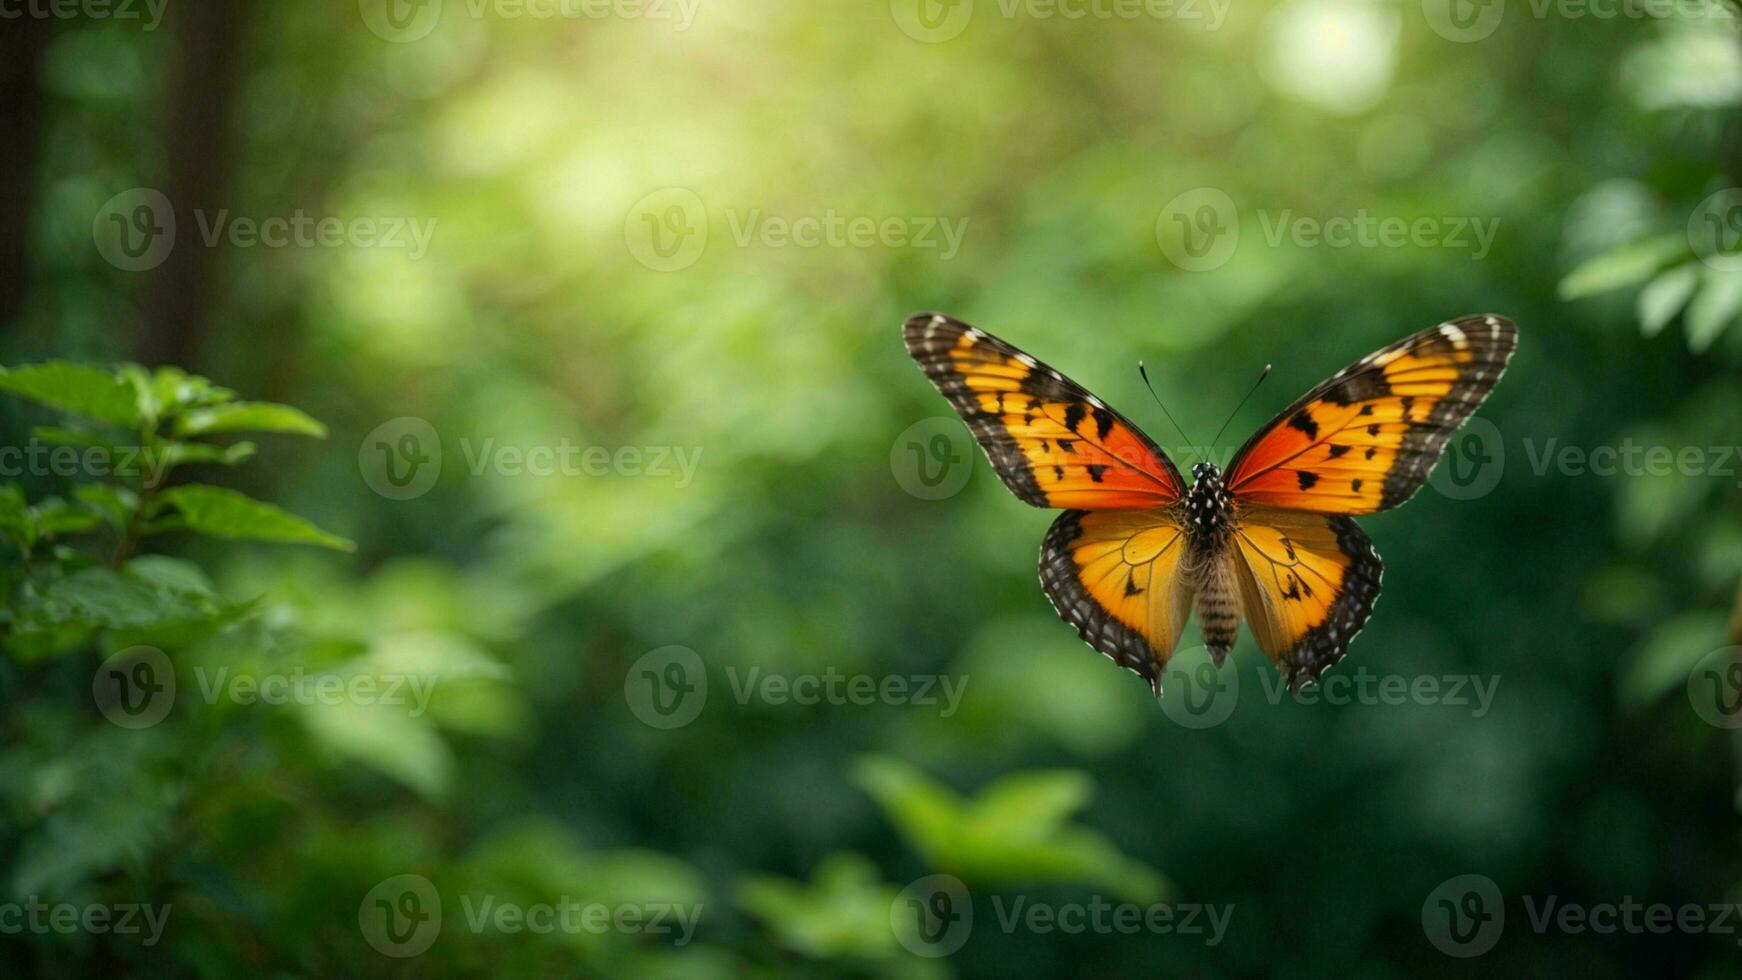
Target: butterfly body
x: 1137, y: 550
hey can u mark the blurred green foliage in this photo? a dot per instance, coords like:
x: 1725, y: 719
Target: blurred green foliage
x: 524, y: 602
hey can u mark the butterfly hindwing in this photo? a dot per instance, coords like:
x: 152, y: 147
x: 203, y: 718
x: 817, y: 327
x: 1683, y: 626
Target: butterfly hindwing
x: 1115, y: 575
x: 1052, y: 443
x: 1366, y: 439
x: 1307, y: 585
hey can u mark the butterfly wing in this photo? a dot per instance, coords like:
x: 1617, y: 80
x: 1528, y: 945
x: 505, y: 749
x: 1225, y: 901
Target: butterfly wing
x: 1307, y: 584
x: 1366, y: 439
x: 1115, y: 575
x: 1051, y: 442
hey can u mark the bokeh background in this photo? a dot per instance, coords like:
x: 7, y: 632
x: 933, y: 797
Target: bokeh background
x: 620, y: 202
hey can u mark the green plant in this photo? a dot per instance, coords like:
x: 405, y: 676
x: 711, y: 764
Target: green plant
x: 129, y: 430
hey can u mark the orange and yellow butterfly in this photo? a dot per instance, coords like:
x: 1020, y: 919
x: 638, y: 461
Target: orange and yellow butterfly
x: 1270, y: 541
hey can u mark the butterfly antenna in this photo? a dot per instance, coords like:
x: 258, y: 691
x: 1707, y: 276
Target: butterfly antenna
x: 1144, y: 373
x: 1261, y: 376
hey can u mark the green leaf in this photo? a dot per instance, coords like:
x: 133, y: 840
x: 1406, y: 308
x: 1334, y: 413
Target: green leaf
x: 925, y: 811
x: 78, y: 388
x: 1624, y: 266
x: 220, y: 513
x: 155, y: 603
x: 1713, y: 308
x: 169, y: 455
x: 1663, y: 297
x: 62, y: 436
x: 54, y: 516
x: 114, y: 503
x: 843, y: 912
x: 175, y: 391
x: 173, y: 574
x: 384, y: 737
x: 1663, y: 659
x: 1017, y: 830
x: 15, y: 521
x: 249, y: 417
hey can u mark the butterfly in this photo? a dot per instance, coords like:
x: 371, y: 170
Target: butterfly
x: 1272, y: 540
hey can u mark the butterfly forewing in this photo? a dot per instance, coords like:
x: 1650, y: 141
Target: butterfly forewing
x: 1366, y: 439
x: 1052, y: 443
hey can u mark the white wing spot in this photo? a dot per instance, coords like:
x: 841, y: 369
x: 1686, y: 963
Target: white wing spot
x: 1026, y: 360
x: 1455, y: 335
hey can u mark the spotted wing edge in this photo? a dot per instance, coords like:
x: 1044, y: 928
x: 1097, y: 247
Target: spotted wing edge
x: 1326, y: 643
x: 1061, y: 580
x: 919, y: 333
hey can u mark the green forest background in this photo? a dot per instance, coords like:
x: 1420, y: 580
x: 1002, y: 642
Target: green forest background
x: 618, y: 201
